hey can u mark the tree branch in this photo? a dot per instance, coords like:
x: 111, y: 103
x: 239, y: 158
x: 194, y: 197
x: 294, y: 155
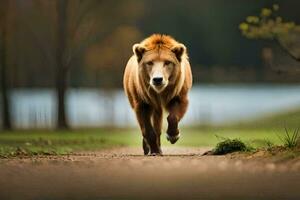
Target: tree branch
x: 90, y: 40
x: 44, y: 50
x: 286, y: 50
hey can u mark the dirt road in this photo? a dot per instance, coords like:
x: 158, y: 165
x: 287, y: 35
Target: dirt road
x: 124, y: 173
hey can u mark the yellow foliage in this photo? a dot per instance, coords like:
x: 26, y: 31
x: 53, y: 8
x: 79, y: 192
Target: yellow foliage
x: 270, y: 26
x: 243, y: 26
x: 252, y: 19
x: 266, y: 12
x: 266, y: 26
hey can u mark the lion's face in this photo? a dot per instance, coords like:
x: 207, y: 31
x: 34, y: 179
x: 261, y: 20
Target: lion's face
x: 159, y: 67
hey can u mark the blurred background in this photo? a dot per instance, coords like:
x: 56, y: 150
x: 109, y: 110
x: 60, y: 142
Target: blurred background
x: 62, y: 61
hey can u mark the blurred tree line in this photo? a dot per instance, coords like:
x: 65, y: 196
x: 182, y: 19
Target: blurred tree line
x: 86, y: 43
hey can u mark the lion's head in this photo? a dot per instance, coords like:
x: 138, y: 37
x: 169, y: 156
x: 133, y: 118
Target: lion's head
x: 159, y: 58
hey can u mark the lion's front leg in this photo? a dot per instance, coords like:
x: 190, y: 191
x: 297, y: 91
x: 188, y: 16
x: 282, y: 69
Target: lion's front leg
x: 143, y: 113
x: 157, y: 125
x: 177, y: 108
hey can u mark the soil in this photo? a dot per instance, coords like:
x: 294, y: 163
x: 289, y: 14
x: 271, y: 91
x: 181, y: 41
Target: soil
x: 124, y: 173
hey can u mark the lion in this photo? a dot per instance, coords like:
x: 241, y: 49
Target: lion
x: 157, y: 78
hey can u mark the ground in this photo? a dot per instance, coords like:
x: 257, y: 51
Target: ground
x: 124, y: 173
x: 108, y: 164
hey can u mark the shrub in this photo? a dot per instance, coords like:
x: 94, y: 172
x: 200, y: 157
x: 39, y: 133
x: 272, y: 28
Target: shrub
x: 230, y: 145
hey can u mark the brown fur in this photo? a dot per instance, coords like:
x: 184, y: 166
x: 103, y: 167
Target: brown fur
x: 147, y: 101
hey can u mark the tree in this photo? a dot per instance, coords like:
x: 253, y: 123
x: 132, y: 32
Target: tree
x: 62, y: 67
x: 69, y: 37
x: 268, y: 25
x: 107, y: 56
x: 72, y: 26
x: 6, y: 118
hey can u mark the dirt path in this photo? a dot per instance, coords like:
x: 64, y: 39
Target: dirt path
x: 124, y: 173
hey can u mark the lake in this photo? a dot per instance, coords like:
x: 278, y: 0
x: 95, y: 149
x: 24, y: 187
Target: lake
x: 209, y: 104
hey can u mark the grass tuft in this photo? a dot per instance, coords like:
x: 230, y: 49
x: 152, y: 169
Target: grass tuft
x: 290, y: 139
x: 230, y: 145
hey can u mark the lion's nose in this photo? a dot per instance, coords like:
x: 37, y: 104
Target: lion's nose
x: 157, y: 81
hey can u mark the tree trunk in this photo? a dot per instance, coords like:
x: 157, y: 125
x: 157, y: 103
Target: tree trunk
x: 61, y: 88
x: 61, y: 67
x: 6, y: 120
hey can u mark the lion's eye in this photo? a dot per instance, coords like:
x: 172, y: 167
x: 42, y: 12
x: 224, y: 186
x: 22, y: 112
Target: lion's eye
x: 149, y: 63
x: 168, y: 62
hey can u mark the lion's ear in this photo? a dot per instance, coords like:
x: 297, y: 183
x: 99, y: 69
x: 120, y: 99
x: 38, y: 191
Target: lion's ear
x: 179, y: 50
x: 138, y: 50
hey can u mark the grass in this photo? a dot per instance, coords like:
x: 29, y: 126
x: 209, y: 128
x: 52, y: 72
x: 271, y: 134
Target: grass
x: 289, y: 119
x: 290, y: 140
x: 18, y: 143
x: 207, y: 137
x: 288, y: 147
x: 43, y: 142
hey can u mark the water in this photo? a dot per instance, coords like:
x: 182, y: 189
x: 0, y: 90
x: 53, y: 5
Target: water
x: 213, y: 104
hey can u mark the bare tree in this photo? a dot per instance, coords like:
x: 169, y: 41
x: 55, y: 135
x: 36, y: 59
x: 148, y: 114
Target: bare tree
x: 62, y: 67
x: 70, y: 16
x: 64, y: 29
x: 65, y: 20
x: 75, y: 31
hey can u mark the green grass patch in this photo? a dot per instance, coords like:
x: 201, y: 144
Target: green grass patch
x: 273, y: 122
x: 288, y: 119
x: 258, y: 134
x: 36, y: 142
x: 206, y: 137
x: 18, y: 143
